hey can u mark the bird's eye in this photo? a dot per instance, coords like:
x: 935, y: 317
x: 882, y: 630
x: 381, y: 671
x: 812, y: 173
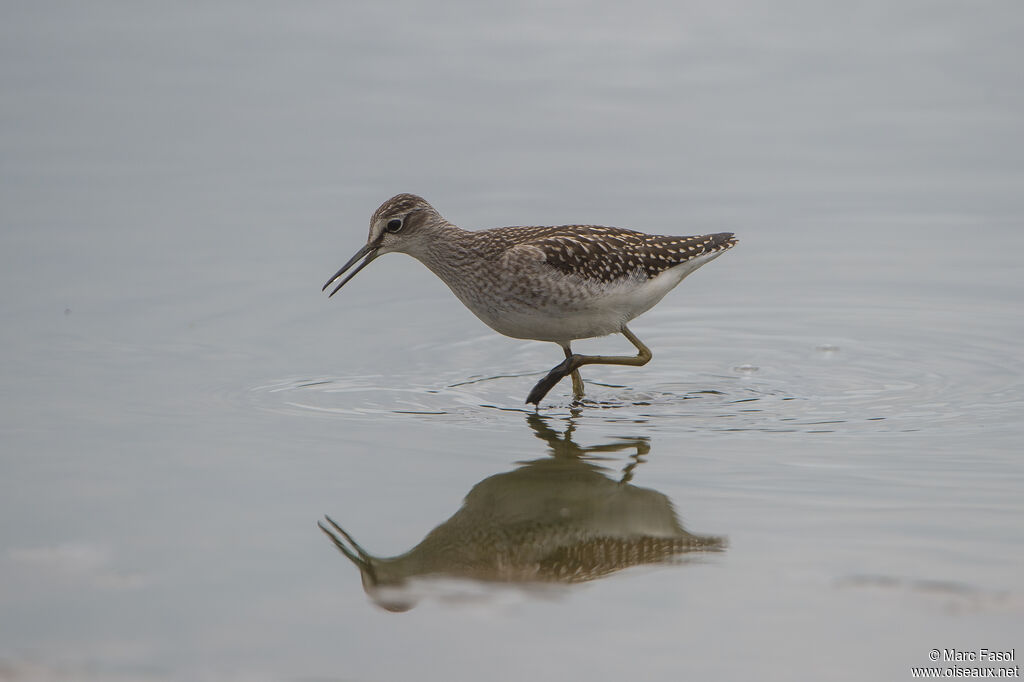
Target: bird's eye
x: 394, y: 225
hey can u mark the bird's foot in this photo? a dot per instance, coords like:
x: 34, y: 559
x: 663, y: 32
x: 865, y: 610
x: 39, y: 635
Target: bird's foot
x: 548, y: 382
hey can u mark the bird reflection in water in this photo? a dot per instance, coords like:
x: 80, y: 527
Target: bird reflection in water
x: 559, y: 519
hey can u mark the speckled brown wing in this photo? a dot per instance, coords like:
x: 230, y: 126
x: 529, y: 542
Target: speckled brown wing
x: 607, y: 254
x: 597, y: 557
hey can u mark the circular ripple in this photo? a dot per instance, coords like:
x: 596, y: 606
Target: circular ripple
x: 910, y: 380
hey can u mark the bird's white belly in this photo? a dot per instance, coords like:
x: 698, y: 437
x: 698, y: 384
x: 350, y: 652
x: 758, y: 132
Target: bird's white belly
x: 552, y: 326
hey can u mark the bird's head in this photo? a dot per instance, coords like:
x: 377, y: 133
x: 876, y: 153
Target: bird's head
x: 398, y: 225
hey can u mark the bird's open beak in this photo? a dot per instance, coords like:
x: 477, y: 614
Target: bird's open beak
x: 370, y: 251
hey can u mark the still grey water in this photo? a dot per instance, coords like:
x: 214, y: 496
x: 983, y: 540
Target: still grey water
x: 818, y: 476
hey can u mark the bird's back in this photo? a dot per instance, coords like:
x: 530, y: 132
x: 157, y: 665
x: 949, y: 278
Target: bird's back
x: 603, y: 254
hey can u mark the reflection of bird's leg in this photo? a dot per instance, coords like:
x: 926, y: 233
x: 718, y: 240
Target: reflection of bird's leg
x: 573, y: 362
x: 642, y: 448
x: 562, y: 444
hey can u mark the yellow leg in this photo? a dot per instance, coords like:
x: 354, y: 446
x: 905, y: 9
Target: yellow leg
x: 573, y: 362
x: 577, y: 380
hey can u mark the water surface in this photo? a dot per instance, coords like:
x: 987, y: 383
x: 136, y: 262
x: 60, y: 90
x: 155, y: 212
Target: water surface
x: 817, y: 476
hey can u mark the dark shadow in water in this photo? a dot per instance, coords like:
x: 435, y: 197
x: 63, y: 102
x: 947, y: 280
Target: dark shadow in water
x: 555, y: 520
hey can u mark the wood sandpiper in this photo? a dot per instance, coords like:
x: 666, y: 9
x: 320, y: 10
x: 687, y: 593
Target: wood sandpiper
x: 546, y: 283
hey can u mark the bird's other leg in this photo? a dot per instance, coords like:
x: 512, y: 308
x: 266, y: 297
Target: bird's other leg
x: 577, y: 380
x: 557, y: 374
x: 573, y: 362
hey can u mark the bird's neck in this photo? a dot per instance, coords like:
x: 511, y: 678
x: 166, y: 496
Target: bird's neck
x: 447, y: 252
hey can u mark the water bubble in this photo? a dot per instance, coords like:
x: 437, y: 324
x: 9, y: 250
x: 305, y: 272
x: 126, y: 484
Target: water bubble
x: 827, y: 348
x: 745, y: 369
